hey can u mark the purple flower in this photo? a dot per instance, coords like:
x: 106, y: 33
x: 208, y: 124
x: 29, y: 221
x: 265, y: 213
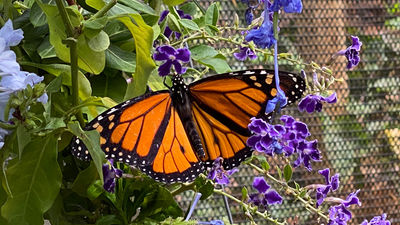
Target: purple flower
x: 339, y: 214
x: 171, y: 56
x: 352, y: 53
x: 218, y: 173
x: 331, y: 184
x: 249, y: 16
x: 288, y: 138
x: 312, y: 103
x: 244, y: 53
x: 263, y: 37
x: 377, y: 220
x: 289, y: 6
x: 265, y: 196
x: 168, y: 31
x: 110, y: 173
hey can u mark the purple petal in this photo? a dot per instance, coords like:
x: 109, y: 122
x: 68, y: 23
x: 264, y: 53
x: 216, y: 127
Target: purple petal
x: 251, y: 141
x: 288, y: 120
x: 167, y: 49
x: 241, y: 56
x: 331, y: 99
x: 165, y: 68
x: 352, y: 199
x: 232, y: 171
x: 260, y: 184
x: 183, y: 55
x: 12, y: 37
x: 223, y: 179
x: 335, y: 182
x: 356, y: 43
x: 301, y: 129
x: 273, y: 197
x: 160, y: 56
x: 178, y: 67
x: 163, y: 15
x: 325, y: 173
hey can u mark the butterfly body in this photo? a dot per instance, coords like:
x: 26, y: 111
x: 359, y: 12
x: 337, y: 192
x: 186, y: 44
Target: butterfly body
x: 172, y: 135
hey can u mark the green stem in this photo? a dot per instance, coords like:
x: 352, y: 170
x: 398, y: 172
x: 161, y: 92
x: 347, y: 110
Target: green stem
x: 72, y: 44
x: 104, y: 10
x: 248, y: 207
x: 291, y: 191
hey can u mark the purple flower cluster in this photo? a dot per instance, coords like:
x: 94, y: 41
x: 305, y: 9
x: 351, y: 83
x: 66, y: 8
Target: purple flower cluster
x: 110, y: 173
x: 331, y: 184
x: 265, y: 196
x: 312, y: 103
x: 168, y: 32
x: 339, y: 214
x: 218, y: 173
x: 377, y: 220
x: 289, y: 138
x: 171, y: 56
x: 352, y: 53
x: 245, y: 52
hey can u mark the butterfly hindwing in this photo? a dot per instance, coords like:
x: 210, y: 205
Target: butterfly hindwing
x: 146, y: 132
x: 228, y: 101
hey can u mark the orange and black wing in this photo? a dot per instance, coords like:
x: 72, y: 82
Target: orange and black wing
x: 146, y: 132
x: 223, y: 105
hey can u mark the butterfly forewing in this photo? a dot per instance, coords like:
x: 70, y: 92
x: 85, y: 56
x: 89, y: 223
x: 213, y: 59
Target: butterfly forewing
x: 146, y: 132
x: 231, y: 100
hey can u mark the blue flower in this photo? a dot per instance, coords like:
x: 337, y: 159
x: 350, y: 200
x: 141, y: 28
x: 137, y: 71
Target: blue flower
x: 10, y: 36
x: 352, y: 53
x: 289, y: 6
x: 377, y: 220
x: 339, y: 214
x: 171, y: 56
x: 265, y: 196
x: 331, y: 184
x: 245, y: 52
x: 218, y: 173
x: 110, y: 173
x: 263, y: 37
x: 312, y: 103
x: 213, y: 222
x: 279, y: 98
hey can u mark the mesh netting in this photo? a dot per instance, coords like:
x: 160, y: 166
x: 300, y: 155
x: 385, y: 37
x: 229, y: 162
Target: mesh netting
x: 359, y: 137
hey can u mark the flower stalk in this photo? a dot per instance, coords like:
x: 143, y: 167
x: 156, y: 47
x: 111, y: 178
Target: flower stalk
x: 71, y: 41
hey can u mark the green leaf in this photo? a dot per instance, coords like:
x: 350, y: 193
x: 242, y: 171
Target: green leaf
x: 120, y: 9
x: 46, y: 50
x: 189, y: 24
x: 85, y: 90
x: 119, y: 59
x: 212, y: 15
x: 34, y: 180
x: 202, y: 51
x: 105, y: 84
x: 54, y: 85
x: 156, y: 82
x: 100, y: 42
x: 287, y: 172
x: 173, y: 23
x: 95, y: 190
x: 96, y: 4
x: 88, y: 60
x: 279, y: 172
x: 96, y: 24
x: 108, y: 219
x: 217, y: 63
x: 84, y: 179
x: 245, y: 193
x: 263, y: 162
x: 23, y: 138
x: 37, y: 16
x: 138, y: 6
x: 189, y: 8
x: 173, y: 2
x: 91, y: 139
x: 143, y: 35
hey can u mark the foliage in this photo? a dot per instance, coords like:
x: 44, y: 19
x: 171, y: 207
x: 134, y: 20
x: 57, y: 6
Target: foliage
x: 93, y: 54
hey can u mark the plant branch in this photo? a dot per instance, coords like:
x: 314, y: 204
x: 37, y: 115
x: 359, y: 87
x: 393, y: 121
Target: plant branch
x: 104, y: 10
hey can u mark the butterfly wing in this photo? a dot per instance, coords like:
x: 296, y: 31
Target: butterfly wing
x: 146, y: 132
x: 223, y: 105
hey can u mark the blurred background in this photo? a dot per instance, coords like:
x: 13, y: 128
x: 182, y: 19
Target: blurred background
x: 359, y: 136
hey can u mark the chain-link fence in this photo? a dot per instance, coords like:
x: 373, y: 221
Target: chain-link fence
x: 359, y: 136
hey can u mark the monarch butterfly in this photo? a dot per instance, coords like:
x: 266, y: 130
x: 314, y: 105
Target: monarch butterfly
x: 172, y: 135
